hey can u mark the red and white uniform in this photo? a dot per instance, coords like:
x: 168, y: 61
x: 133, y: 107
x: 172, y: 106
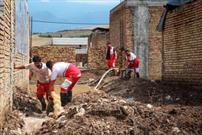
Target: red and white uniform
x: 133, y: 61
x: 111, y: 57
x: 43, y: 76
x: 70, y: 71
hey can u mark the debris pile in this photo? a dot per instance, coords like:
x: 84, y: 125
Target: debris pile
x: 99, y: 113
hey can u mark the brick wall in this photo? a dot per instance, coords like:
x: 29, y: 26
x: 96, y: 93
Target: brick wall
x: 8, y: 55
x: 97, y: 50
x: 182, y: 45
x: 55, y: 53
x: 121, y: 31
x: 5, y: 68
x: 123, y: 25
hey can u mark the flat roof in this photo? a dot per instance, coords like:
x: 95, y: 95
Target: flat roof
x: 70, y: 41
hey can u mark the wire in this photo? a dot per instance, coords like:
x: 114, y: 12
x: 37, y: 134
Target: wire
x: 42, y: 21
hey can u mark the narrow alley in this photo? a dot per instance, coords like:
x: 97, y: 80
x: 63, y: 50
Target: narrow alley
x: 120, y: 67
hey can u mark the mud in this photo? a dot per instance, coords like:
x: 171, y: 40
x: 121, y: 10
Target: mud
x: 133, y: 107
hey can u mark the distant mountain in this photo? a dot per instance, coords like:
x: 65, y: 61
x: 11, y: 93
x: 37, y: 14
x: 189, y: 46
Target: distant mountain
x: 66, y: 33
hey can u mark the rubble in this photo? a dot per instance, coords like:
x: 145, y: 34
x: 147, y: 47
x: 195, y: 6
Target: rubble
x: 105, y: 114
x: 130, y: 107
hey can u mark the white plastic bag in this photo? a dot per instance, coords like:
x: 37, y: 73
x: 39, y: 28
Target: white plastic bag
x: 66, y: 84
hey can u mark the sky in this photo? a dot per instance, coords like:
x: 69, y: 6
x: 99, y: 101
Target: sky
x: 69, y: 11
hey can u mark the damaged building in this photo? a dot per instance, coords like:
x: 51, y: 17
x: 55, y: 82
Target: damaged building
x: 133, y: 25
x: 97, y: 47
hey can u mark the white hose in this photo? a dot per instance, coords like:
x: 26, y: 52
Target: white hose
x: 103, y: 77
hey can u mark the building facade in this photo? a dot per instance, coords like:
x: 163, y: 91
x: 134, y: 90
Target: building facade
x: 182, y: 44
x: 14, y: 48
x: 97, y: 47
x: 133, y: 25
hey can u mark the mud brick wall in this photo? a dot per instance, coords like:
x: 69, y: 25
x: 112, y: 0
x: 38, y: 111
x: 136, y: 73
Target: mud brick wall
x: 97, y: 50
x: 182, y: 45
x: 121, y: 31
x: 55, y: 53
x: 5, y: 55
x: 8, y: 55
x: 122, y: 34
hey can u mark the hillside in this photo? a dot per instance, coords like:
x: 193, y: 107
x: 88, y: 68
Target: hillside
x: 41, y: 39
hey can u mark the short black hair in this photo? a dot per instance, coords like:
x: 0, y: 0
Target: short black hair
x: 36, y: 58
x: 49, y: 64
x: 126, y: 50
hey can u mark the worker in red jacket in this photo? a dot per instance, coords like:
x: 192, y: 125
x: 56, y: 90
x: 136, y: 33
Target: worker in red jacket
x: 111, y: 55
x: 72, y: 75
x: 132, y: 62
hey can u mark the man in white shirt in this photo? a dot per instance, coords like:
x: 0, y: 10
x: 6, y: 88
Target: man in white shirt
x: 132, y: 62
x: 72, y: 75
x: 43, y: 76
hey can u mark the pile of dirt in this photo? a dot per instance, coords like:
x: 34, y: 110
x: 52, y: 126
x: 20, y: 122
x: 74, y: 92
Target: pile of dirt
x: 14, y: 124
x: 99, y: 113
x: 182, y: 103
x: 24, y: 104
x: 157, y: 93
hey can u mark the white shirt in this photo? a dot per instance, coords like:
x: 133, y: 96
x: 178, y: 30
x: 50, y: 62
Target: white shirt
x: 59, y: 69
x: 111, y: 51
x: 131, y: 57
x: 42, y: 74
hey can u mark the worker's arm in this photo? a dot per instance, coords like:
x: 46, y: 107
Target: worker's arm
x: 51, y: 85
x: 115, y: 55
x: 53, y: 77
x: 19, y: 67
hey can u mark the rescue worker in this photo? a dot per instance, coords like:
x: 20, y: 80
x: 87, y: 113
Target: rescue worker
x: 43, y: 76
x: 111, y: 55
x: 72, y: 75
x: 132, y: 63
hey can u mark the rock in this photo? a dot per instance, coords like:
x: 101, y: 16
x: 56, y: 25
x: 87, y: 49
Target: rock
x: 81, y: 112
x: 168, y: 98
x: 61, y: 119
x: 176, y: 129
x: 122, y: 101
x: 131, y: 99
x: 149, y: 106
x: 177, y: 99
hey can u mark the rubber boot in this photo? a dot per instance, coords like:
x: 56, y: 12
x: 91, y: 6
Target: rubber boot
x: 49, y: 107
x: 65, y: 98
x: 128, y: 74
x: 137, y: 75
x: 43, y: 103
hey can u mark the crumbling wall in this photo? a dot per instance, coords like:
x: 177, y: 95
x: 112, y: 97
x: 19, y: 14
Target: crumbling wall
x: 182, y: 45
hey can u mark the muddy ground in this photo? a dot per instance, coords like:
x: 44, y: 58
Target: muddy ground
x: 120, y: 107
